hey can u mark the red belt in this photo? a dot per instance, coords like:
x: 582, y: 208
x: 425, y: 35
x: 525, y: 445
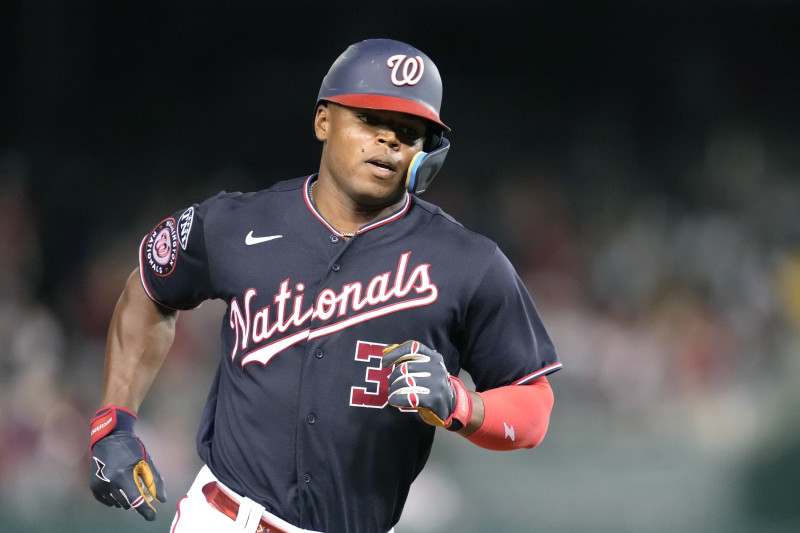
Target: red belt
x: 226, y: 505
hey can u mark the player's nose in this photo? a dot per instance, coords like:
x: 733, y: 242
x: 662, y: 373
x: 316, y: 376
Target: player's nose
x: 387, y: 135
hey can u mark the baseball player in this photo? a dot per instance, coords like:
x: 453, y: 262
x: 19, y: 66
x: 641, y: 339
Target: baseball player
x: 352, y: 305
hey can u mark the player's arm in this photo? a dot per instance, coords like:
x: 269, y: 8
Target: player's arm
x: 511, y: 417
x: 504, y: 418
x: 141, y: 333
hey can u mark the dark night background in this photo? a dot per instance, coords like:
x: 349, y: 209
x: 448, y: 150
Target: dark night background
x: 638, y: 161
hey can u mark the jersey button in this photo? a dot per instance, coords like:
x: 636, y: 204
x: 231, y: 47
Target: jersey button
x: 307, y: 478
x: 334, y: 239
x: 311, y: 418
x: 336, y: 267
x: 318, y: 353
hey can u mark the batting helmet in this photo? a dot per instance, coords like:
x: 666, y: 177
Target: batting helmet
x: 394, y: 76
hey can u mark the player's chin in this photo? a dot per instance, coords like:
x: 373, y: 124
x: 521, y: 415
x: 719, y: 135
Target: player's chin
x: 380, y: 189
x: 374, y: 200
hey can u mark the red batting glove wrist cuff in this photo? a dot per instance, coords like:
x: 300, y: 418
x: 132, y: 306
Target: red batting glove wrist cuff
x: 462, y: 413
x: 110, y: 419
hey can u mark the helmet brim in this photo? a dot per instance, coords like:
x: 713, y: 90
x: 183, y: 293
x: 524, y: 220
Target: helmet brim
x: 389, y: 103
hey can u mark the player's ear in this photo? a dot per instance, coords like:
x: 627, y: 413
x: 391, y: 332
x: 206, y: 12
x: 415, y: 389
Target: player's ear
x: 322, y: 121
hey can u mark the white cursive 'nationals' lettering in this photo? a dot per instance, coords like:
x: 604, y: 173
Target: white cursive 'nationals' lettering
x: 384, y: 294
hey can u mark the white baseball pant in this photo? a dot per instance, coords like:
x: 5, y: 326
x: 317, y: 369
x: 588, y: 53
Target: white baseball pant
x: 196, y: 515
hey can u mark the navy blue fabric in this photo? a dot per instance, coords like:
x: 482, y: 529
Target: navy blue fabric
x: 296, y: 418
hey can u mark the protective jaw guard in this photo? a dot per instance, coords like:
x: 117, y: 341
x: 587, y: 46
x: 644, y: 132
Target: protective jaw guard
x: 425, y: 166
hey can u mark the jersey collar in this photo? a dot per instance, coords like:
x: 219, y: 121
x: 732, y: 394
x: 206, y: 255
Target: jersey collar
x: 372, y: 225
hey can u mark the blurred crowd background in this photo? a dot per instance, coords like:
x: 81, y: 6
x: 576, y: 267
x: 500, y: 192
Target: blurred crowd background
x: 637, y: 161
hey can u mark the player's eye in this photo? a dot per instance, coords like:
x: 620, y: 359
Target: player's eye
x: 409, y: 136
x: 410, y: 132
x: 368, y: 119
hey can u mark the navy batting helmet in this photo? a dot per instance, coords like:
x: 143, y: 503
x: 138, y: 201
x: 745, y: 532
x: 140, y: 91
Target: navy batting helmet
x: 385, y: 74
x: 394, y: 76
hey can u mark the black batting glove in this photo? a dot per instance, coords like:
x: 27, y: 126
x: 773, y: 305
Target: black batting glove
x: 121, y: 474
x: 420, y: 381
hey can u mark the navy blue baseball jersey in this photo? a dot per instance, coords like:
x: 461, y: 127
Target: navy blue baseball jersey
x: 297, y: 417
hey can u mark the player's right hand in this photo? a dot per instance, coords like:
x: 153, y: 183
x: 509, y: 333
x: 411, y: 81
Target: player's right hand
x: 420, y: 380
x: 121, y: 474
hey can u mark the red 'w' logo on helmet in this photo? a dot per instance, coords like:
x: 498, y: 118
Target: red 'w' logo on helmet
x: 405, y: 70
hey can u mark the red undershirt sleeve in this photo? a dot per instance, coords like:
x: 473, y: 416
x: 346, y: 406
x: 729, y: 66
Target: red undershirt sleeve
x: 515, y: 416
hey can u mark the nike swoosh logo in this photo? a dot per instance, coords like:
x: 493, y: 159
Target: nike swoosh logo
x: 250, y: 240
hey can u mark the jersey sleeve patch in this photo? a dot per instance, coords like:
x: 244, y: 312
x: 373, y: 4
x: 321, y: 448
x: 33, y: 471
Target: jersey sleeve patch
x: 161, y: 248
x: 185, y: 226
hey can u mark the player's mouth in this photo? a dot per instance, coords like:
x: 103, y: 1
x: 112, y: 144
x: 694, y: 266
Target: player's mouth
x: 382, y: 167
x: 381, y: 163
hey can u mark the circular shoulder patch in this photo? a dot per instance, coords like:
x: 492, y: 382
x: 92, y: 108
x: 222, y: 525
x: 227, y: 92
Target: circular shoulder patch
x: 161, y: 250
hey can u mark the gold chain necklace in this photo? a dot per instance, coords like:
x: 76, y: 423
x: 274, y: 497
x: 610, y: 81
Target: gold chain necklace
x: 311, y: 195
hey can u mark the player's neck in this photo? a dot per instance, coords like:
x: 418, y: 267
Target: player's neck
x: 345, y: 213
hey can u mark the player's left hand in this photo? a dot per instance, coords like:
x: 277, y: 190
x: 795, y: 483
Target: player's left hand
x: 421, y: 381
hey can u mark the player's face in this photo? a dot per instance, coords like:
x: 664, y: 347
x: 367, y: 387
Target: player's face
x: 367, y: 152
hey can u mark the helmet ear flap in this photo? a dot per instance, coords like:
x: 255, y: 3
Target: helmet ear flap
x: 425, y: 166
x: 433, y: 141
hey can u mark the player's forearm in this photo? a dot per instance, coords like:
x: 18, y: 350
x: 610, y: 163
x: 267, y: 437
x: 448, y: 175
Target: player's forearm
x: 511, y: 417
x: 139, y: 337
